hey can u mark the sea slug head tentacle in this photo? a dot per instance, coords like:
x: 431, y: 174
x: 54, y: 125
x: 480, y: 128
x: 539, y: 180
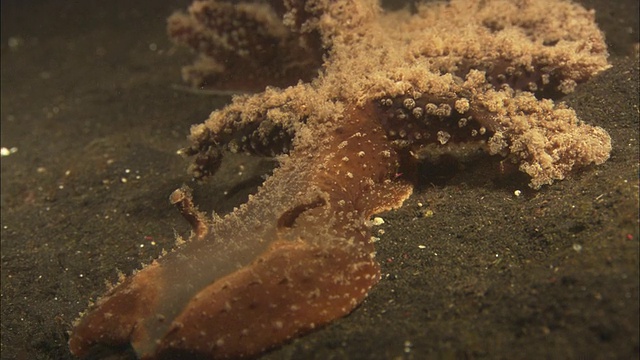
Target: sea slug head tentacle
x: 182, y: 198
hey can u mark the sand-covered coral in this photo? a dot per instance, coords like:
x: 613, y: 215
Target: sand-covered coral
x: 507, y: 61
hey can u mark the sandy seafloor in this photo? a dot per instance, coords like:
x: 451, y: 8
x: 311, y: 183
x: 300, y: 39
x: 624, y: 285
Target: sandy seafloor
x: 89, y: 102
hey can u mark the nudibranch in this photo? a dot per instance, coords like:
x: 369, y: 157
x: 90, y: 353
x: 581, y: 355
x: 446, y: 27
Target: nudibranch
x: 362, y: 95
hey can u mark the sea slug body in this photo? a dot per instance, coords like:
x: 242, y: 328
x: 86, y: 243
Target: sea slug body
x: 378, y: 92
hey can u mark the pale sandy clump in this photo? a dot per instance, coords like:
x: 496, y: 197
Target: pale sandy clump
x: 505, y: 61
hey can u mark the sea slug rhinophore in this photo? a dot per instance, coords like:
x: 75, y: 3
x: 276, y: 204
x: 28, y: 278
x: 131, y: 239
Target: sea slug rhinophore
x: 355, y: 97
